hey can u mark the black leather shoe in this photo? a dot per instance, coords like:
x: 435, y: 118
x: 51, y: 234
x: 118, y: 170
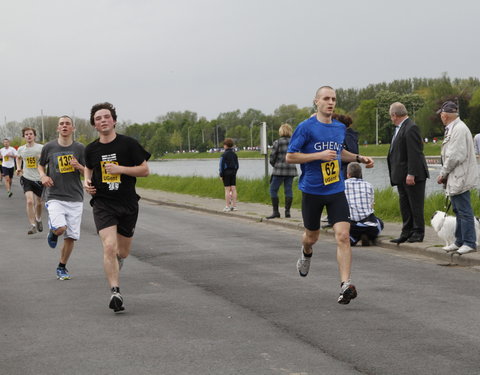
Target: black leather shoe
x: 415, y: 238
x: 399, y: 240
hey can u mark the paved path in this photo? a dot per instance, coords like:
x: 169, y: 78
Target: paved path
x: 206, y: 295
x: 431, y: 246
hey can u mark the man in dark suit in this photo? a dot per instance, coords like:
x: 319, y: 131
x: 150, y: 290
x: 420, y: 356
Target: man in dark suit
x: 408, y: 172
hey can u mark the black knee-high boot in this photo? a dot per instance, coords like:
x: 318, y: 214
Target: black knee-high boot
x: 275, y: 213
x: 288, y: 204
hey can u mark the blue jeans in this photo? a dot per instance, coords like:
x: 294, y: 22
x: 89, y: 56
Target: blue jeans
x: 287, y: 185
x: 465, y: 229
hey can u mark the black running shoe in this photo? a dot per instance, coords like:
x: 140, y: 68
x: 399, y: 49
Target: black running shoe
x: 347, y: 293
x: 116, y: 302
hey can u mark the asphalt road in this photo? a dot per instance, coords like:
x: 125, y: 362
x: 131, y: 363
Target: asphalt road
x: 206, y: 294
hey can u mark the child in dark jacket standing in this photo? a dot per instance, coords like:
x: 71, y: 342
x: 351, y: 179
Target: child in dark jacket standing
x: 228, y: 174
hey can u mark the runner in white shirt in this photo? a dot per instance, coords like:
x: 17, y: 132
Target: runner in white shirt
x: 8, y: 164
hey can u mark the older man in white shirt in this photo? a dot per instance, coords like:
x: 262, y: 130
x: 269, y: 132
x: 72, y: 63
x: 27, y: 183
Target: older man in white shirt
x: 459, y: 174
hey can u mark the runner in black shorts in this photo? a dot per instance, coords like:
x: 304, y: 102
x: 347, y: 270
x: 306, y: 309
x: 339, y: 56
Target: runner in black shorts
x: 8, y: 154
x: 112, y: 164
x: 317, y: 144
x: 313, y: 205
x: 7, y: 172
x: 124, y: 217
x: 35, y: 187
x: 27, y: 166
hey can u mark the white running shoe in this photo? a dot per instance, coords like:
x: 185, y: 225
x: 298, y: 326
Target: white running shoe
x: 450, y: 248
x: 303, y: 264
x: 465, y: 249
x: 226, y: 209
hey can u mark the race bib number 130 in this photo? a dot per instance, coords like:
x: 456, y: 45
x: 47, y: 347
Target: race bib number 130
x: 330, y: 172
x: 64, y: 165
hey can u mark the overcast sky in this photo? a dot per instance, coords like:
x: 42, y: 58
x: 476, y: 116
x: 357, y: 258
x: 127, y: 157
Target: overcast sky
x: 149, y: 57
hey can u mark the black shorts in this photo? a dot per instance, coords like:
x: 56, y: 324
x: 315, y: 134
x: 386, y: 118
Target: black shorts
x: 109, y: 213
x: 229, y: 177
x: 312, y: 207
x: 7, y: 172
x: 35, y: 186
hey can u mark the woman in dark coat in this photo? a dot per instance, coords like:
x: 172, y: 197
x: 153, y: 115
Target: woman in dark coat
x: 351, y: 138
x: 282, y: 171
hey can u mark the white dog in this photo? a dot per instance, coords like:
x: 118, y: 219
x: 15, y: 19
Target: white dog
x: 445, y: 225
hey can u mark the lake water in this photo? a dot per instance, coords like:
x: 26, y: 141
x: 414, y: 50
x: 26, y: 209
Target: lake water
x: 255, y: 168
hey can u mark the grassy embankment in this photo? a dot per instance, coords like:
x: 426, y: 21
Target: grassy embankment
x: 257, y: 190
x: 430, y: 149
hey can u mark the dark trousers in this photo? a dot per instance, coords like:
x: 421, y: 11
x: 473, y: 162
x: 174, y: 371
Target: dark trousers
x: 412, y: 199
x: 357, y: 229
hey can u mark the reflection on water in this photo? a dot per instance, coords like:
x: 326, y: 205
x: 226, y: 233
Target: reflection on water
x: 255, y: 168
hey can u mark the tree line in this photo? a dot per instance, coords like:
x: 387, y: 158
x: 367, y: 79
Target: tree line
x: 186, y: 131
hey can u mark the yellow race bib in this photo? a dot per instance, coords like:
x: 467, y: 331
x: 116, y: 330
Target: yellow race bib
x: 109, y: 177
x: 31, y: 162
x: 6, y: 158
x: 330, y: 172
x: 64, y: 165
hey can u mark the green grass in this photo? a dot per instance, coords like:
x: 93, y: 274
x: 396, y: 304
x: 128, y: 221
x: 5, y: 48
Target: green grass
x: 212, y: 155
x: 257, y: 191
x: 254, y: 190
x: 430, y: 149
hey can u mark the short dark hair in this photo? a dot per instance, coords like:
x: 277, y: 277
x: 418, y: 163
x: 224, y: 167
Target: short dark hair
x: 99, y: 106
x: 27, y: 129
x: 66, y: 116
x: 354, y: 170
x: 228, y: 142
x: 344, y: 119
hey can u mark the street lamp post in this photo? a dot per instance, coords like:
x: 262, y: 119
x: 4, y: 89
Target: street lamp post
x: 43, y: 128
x: 251, y: 132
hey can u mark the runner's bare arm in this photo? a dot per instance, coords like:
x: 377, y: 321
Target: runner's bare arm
x: 87, y: 181
x: 19, y: 163
x: 44, y: 179
x: 300, y: 158
x: 347, y: 156
x: 141, y: 170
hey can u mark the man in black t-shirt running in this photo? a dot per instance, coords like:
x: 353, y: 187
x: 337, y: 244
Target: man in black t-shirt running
x: 112, y: 164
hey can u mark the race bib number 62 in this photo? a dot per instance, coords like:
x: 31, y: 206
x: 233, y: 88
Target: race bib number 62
x: 330, y: 172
